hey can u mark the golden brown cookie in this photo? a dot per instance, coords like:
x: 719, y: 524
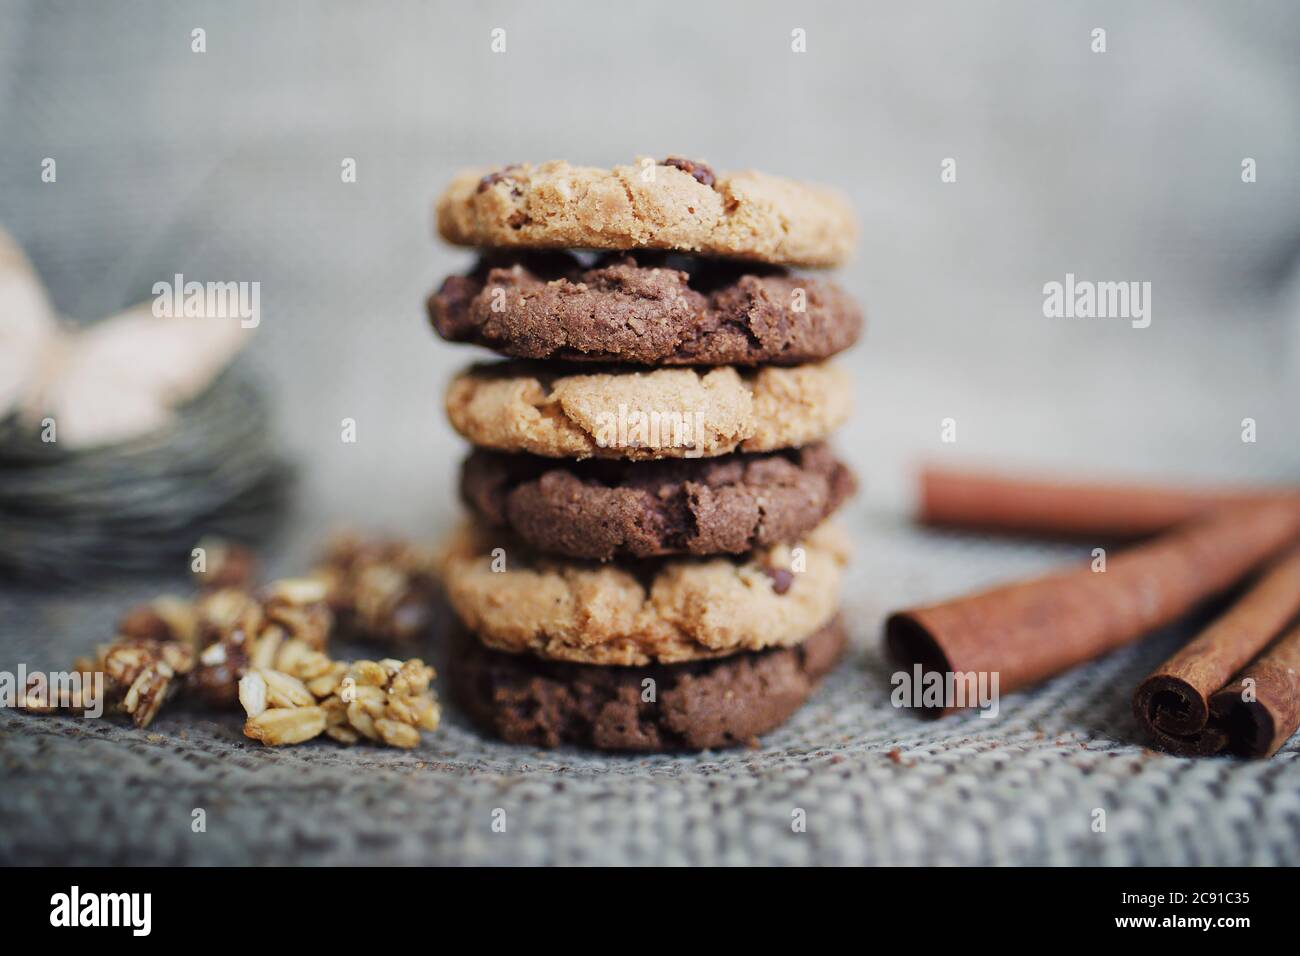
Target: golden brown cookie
x: 666, y: 611
x: 676, y: 204
x: 666, y: 413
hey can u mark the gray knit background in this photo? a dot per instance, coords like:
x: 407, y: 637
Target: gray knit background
x: 1116, y: 166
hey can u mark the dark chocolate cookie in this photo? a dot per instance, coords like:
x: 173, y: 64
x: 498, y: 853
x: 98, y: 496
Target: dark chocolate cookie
x: 651, y: 309
x: 719, y: 703
x: 603, y: 508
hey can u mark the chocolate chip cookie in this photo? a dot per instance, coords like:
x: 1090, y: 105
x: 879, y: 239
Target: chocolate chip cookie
x: 654, y: 708
x: 674, y: 204
x: 647, y: 309
x: 558, y: 412
x: 664, y: 611
x: 601, y: 509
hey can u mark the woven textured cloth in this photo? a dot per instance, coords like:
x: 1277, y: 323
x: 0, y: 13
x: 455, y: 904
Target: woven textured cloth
x: 875, y: 785
x: 226, y: 165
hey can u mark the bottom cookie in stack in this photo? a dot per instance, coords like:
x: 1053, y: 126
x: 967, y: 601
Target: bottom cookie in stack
x: 704, y: 704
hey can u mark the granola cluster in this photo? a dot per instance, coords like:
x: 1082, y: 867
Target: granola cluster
x: 143, y: 673
x: 382, y: 589
x: 140, y: 674
x: 386, y: 701
x: 239, y: 630
x: 142, y: 667
x: 267, y: 651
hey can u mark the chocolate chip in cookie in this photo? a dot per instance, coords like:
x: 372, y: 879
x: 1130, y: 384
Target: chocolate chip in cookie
x: 701, y: 171
x: 499, y: 176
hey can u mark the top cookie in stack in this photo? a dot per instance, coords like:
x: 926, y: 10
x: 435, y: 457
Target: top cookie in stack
x: 666, y: 397
x: 674, y: 205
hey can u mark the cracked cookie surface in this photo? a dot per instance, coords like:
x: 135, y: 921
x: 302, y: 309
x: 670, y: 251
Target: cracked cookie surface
x: 647, y: 309
x: 663, y: 611
x: 602, y: 509
x: 665, y: 413
x: 674, y: 204
x: 719, y: 703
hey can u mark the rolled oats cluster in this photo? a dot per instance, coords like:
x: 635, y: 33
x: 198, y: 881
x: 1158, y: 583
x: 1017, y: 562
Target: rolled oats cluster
x: 267, y: 650
x: 239, y: 630
x: 386, y: 701
x: 166, y: 618
x: 379, y: 589
x: 272, y: 651
x: 145, y: 673
x: 230, y: 621
x: 140, y: 674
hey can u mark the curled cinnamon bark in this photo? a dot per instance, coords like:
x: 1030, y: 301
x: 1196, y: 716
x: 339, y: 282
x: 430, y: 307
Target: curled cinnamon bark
x: 1028, y: 631
x: 1175, y: 698
x: 1261, y: 708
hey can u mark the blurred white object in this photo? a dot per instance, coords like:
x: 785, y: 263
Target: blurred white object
x: 110, y: 382
x: 27, y: 323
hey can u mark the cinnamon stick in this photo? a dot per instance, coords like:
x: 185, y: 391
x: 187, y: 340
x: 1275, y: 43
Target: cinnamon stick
x: 1175, y: 697
x: 1254, y: 715
x: 1028, y: 631
x: 1261, y: 708
x: 989, y: 501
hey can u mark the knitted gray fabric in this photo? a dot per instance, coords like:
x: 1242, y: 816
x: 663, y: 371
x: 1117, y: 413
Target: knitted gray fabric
x: 225, y: 165
x: 876, y: 785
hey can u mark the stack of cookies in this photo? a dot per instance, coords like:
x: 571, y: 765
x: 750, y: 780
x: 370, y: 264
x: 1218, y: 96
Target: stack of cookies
x: 649, y: 565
